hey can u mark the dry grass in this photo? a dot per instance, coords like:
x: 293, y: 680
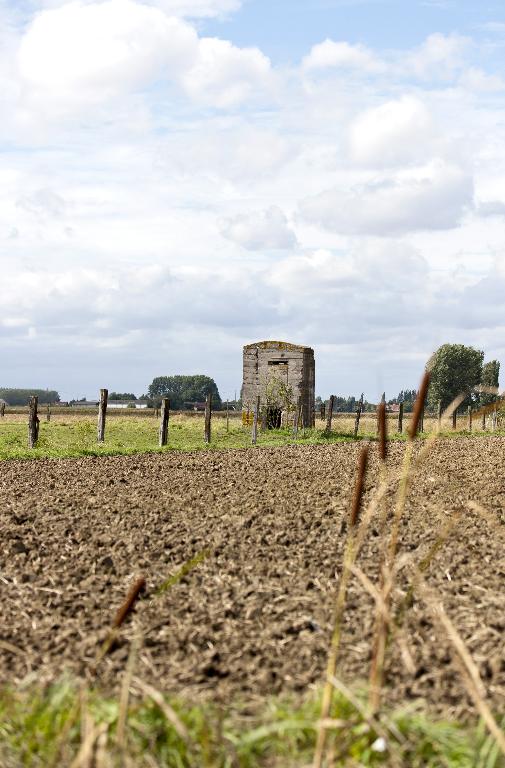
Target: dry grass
x: 388, y: 619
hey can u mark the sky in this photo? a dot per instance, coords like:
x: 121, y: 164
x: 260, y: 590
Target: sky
x: 179, y: 178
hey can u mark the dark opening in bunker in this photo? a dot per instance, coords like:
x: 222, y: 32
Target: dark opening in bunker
x: 274, y: 418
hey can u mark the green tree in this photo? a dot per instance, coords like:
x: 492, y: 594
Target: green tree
x: 490, y: 378
x: 184, y: 390
x: 21, y: 396
x: 122, y: 396
x: 455, y: 370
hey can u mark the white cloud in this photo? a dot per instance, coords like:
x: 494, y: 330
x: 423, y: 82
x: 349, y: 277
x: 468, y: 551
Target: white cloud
x: 430, y: 198
x: 298, y: 276
x: 475, y: 79
x: 341, y: 55
x: 394, y: 133
x: 224, y: 75
x: 91, y: 53
x: 43, y: 202
x: 158, y: 143
x: 260, y: 230
x: 198, y: 8
x: 83, y: 55
x: 184, y: 8
x: 369, y: 263
x: 239, y: 152
x: 438, y: 58
x: 490, y: 208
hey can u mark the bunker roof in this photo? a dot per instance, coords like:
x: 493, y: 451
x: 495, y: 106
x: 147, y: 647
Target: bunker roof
x: 277, y: 345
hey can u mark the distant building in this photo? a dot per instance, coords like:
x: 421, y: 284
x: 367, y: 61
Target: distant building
x: 195, y: 406
x: 281, y: 375
x: 127, y: 404
x: 111, y: 404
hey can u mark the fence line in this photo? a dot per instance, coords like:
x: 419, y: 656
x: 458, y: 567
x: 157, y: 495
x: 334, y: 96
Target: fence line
x: 366, y: 421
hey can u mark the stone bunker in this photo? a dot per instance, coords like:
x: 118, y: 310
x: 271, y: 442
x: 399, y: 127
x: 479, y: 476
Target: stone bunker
x: 282, y: 375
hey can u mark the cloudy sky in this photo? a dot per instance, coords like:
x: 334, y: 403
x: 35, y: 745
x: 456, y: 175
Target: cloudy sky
x: 181, y: 177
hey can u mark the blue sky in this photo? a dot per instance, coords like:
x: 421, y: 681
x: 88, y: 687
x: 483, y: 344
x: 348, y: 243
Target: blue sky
x: 179, y: 178
x: 285, y: 29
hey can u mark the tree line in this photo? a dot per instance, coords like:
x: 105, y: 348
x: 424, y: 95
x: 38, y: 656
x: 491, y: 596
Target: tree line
x: 14, y: 396
x: 455, y: 369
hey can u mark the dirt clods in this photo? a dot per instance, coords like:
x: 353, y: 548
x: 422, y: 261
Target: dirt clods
x: 254, y: 616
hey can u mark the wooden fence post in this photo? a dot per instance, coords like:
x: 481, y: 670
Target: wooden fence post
x: 2, y: 410
x: 377, y: 410
x: 48, y: 413
x: 483, y: 421
x: 255, y: 421
x: 400, y: 419
x: 358, y: 415
x: 165, y: 415
x: 470, y: 418
x: 33, y: 421
x: 208, y: 416
x: 102, y: 413
x: 329, y: 415
x: 227, y: 417
x: 454, y: 419
x: 323, y: 411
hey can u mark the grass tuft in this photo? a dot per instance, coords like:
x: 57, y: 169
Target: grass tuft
x: 40, y: 728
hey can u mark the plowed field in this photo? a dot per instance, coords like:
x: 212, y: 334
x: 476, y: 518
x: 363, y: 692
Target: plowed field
x: 255, y: 616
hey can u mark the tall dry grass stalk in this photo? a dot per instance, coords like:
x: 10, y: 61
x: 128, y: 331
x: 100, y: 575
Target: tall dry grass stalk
x: 419, y: 405
x: 85, y: 753
x: 471, y: 677
x: 349, y: 557
x: 358, y: 488
x: 382, y: 426
x: 122, y: 614
x: 385, y: 622
x: 124, y: 696
x: 170, y: 714
x: 387, y: 568
x: 388, y: 624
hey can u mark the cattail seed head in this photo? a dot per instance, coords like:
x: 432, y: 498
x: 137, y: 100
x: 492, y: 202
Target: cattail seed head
x: 381, y: 416
x: 419, y: 405
x: 358, y: 488
x: 126, y: 608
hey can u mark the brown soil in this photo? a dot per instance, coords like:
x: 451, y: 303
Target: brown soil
x: 255, y: 617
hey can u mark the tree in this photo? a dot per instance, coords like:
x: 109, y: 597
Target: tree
x: 21, y: 396
x: 455, y: 370
x: 122, y: 396
x: 490, y: 378
x: 184, y: 390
